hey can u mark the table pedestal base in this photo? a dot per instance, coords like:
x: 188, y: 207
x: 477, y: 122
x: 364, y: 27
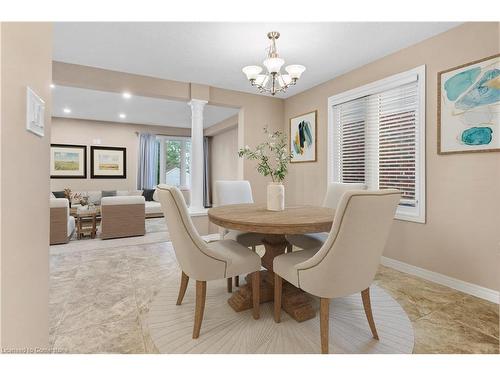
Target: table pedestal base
x: 295, y: 302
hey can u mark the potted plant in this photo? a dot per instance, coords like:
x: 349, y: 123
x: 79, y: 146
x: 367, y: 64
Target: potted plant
x: 273, y: 159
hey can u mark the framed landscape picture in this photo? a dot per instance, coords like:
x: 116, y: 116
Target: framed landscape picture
x: 303, y: 135
x: 108, y: 162
x: 68, y: 161
x: 469, y: 107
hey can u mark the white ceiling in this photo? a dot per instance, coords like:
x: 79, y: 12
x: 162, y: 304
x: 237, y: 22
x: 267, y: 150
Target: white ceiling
x: 106, y: 106
x: 214, y: 53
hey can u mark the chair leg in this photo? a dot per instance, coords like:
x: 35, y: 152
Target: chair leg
x: 278, y: 285
x: 182, y: 289
x: 256, y: 294
x: 365, y: 295
x: 289, y: 248
x: 201, y: 293
x: 253, y: 249
x: 324, y: 317
x: 236, y: 281
x: 229, y: 284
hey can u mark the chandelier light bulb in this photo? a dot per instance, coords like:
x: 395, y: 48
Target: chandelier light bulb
x: 252, y: 71
x: 273, y: 64
x: 284, y: 80
x: 295, y: 71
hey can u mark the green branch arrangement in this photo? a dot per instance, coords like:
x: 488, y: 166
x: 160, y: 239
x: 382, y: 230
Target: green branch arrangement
x: 272, y: 155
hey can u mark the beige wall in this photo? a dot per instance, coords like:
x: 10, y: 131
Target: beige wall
x: 221, y: 127
x: 462, y: 233
x: 223, y: 157
x: 84, y: 132
x: 256, y: 111
x: 26, y: 59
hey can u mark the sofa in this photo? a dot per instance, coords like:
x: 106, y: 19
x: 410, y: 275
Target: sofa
x: 122, y: 216
x: 62, y: 224
x: 152, y: 207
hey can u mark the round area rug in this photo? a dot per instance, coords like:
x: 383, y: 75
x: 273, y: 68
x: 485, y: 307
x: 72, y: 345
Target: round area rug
x: 225, y: 331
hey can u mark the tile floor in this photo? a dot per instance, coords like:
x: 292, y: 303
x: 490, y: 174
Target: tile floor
x: 99, y: 298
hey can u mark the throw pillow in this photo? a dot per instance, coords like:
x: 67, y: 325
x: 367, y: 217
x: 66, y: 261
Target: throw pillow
x: 109, y: 193
x: 148, y: 194
x: 59, y: 194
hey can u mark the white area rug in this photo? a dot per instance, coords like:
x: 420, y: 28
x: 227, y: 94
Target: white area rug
x: 225, y: 331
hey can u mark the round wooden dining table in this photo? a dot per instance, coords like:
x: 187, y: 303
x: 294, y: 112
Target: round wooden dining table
x: 274, y: 226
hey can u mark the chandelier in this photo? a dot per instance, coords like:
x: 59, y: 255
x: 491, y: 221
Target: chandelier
x: 274, y: 81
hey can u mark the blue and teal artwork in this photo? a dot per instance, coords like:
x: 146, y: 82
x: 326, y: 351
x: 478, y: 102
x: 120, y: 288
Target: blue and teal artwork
x: 303, y: 138
x: 470, y: 107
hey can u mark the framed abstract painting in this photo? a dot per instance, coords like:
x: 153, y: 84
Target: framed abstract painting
x: 303, y: 134
x: 469, y: 107
x: 68, y: 161
x: 108, y: 162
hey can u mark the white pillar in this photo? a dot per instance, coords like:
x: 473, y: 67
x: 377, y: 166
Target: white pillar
x: 197, y: 153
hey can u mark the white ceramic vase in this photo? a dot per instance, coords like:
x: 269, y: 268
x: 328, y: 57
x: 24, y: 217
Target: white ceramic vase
x: 275, y: 196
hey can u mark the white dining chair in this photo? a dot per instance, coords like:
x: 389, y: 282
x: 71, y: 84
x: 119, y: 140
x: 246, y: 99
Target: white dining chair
x: 204, y: 261
x: 236, y: 192
x: 348, y: 260
x: 332, y: 198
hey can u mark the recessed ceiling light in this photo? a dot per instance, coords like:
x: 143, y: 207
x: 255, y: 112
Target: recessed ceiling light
x: 122, y: 115
x: 52, y: 85
x: 127, y: 95
x: 67, y: 110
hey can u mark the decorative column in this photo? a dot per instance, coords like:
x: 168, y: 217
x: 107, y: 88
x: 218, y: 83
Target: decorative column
x: 197, y: 153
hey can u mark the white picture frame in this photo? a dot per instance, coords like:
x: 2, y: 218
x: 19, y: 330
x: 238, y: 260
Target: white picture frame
x: 468, y: 107
x: 303, y: 137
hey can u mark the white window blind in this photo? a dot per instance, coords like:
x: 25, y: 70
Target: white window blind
x: 376, y: 140
x: 351, y: 161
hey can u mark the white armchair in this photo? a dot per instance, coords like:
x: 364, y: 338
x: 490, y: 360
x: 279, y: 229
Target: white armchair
x: 236, y: 192
x: 332, y: 198
x: 349, y: 258
x: 204, y: 261
x: 62, y: 224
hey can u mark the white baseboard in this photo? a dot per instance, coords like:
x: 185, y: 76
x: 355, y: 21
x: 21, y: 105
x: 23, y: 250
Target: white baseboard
x: 462, y: 286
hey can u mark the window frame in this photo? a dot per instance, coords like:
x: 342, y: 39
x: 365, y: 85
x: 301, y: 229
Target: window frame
x: 414, y: 214
x: 163, y: 139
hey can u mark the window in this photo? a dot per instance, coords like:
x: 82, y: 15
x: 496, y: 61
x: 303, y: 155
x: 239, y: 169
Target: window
x: 377, y: 136
x: 175, y: 159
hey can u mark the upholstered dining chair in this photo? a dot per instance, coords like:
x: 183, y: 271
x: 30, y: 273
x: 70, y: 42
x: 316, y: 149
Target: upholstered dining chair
x: 236, y: 192
x: 204, y: 261
x: 348, y: 260
x: 334, y: 192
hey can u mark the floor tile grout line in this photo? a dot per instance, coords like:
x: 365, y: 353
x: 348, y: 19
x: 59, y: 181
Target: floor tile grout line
x: 137, y: 305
